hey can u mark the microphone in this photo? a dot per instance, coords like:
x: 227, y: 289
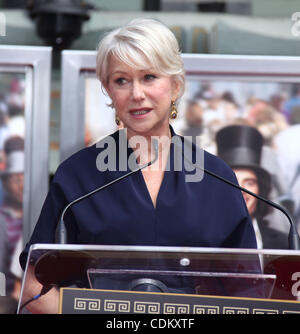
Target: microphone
x: 293, y: 237
x: 61, y: 233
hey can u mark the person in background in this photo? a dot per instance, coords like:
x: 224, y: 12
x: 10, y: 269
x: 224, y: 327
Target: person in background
x: 240, y: 146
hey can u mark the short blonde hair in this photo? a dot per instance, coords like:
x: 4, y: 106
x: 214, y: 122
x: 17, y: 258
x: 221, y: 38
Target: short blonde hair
x: 138, y: 44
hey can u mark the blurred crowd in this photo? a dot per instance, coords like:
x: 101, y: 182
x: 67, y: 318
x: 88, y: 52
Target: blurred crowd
x: 277, y: 118
x: 12, y: 134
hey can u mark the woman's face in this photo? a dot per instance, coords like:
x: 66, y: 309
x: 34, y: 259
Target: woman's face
x: 141, y: 98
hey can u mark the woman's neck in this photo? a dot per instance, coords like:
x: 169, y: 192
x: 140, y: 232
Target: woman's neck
x: 143, y: 147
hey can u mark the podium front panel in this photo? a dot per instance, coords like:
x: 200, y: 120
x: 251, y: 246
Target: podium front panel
x: 168, y: 271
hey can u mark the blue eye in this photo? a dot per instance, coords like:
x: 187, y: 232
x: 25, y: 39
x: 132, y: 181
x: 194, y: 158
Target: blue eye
x: 120, y: 81
x: 149, y: 77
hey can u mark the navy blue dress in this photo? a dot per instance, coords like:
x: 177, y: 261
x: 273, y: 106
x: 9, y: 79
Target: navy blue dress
x: 208, y: 213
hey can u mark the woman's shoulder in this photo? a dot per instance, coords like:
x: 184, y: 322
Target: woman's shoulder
x: 208, y: 160
x: 216, y: 164
x: 84, y: 160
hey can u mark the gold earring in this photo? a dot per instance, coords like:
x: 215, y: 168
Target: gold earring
x: 174, y: 111
x: 117, y: 120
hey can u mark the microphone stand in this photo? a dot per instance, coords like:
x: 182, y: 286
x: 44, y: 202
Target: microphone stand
x: 294, y: 239
x: 61, y: 228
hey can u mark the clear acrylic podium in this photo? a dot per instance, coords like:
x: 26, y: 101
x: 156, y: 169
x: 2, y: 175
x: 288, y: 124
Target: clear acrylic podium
x: 141, y: 279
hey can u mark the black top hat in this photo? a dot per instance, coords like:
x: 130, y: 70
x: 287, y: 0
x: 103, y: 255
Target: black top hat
x: 240, y: 146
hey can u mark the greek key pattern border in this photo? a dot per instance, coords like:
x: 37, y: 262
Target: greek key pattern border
x: 147, y: 307
x: 90, y: 304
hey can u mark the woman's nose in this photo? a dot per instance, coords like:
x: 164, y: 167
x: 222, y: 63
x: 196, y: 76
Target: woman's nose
x: 138, y: 91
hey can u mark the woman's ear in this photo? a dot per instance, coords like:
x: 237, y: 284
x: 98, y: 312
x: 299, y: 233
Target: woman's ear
x: 105, y: 88
x: 176, y: 88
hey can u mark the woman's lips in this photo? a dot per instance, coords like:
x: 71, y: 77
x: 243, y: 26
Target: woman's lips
x: 140, y: 112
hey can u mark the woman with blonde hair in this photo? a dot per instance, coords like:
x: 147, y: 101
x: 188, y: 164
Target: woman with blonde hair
x: 141, y: 70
